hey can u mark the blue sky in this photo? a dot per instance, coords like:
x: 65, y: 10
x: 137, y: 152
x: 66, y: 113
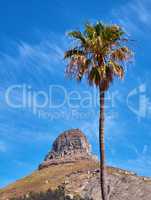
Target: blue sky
x: 32, y: 42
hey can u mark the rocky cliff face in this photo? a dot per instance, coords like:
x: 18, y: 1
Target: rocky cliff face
x: 70, y: 146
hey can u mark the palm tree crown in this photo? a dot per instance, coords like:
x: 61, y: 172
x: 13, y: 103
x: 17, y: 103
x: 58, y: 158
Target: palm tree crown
x: 98, y: 53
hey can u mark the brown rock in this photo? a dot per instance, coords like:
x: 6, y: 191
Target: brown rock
x: 70, y: 146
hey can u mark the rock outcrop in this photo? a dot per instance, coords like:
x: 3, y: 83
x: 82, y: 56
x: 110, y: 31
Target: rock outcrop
x: 70, y: 146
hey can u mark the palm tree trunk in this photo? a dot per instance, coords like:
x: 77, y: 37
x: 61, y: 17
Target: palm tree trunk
x: 102, y: 146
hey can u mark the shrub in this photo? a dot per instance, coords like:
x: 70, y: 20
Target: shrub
x: 58, y: 194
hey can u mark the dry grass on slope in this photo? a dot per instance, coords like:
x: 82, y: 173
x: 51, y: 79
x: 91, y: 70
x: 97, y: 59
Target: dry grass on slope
x: 47, y: 178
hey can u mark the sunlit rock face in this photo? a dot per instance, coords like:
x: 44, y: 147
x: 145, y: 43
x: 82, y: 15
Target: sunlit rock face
x: 70, y: 146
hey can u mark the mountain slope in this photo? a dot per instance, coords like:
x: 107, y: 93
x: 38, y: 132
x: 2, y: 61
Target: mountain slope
x: 71, y: 164
x: 82, y: 177
x: 42, y: 180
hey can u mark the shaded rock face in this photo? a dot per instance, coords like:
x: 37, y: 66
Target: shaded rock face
x: 121, y: 185
x: 70, y: 146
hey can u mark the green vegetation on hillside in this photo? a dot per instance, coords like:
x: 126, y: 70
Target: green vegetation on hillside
x: 58, y: 194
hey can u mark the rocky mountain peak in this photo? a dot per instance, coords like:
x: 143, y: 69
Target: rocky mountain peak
x: 70, y: 163
x: 70, y: 146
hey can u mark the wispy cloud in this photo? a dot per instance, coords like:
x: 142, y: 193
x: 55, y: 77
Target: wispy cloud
x: 134, y: 16
x: 27, y: 62
x: 141, y: 9
x: 142, y: 161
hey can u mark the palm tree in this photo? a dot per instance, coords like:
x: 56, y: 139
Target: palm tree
x: 99, y: 53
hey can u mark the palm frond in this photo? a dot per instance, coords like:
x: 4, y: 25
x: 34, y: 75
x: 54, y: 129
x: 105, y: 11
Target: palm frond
x: 73, y: 52
x: 78, y: 67
x: 108, y: 79
x: 89, y: 31
x: 118, y: 70
x: 121, y: 54
x: 94, y: 76
x: 77, y: 35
